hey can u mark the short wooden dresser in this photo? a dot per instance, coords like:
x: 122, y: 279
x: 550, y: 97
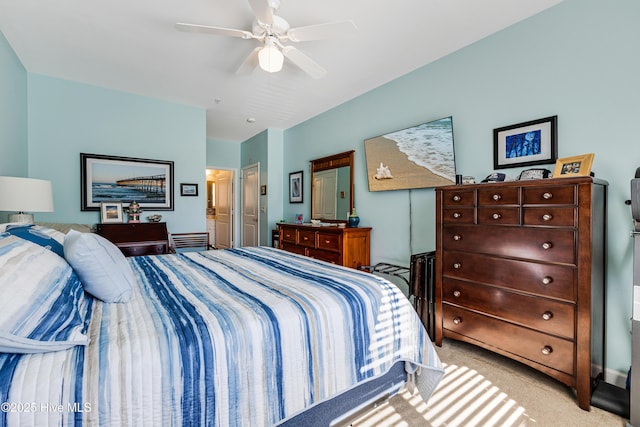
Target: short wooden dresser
x: 144, y: 238
x: 348, y: 246
x: 520, y: 270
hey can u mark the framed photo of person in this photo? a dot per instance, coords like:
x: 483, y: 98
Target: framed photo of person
x: 573, y: 166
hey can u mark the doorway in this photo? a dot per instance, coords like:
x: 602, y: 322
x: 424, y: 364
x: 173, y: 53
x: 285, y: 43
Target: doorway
x: 251, y: 205
x: 220, y: 207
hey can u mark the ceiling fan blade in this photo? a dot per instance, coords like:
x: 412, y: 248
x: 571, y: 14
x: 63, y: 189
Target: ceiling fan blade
x: 263, y: 10
x: 250, y: 63
x: 305, y: 63
x: 219, y: 31
x: 322, y: 31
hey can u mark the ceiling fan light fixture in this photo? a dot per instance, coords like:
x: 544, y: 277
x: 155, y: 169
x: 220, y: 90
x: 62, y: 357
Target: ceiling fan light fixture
x: 270, y: 58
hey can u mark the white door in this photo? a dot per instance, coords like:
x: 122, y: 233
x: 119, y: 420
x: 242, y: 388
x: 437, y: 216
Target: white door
x: 224, y: 209
x: 325, y: 187
x: 250, y: 205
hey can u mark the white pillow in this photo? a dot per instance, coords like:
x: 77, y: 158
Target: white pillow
x: 103, y: 270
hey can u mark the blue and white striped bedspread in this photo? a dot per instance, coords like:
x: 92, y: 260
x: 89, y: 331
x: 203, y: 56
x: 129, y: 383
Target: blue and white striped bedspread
x: 238, y: 337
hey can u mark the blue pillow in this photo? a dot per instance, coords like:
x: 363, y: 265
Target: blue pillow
x: 43, y: 306
x: 35, y: 235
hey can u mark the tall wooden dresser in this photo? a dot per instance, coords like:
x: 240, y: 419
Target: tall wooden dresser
x: 520, y: 270
x: 343, y: 246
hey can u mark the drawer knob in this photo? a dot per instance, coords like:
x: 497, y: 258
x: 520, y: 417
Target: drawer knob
x: 457, y: 265
x: 496, y: 197
x: 305, y: 238
x: 457, y: 237
x: 547, y: 280
x: 547, y: 315
x: 457, y: 214
x: 496, y: 215
x: 457, y: 320
x: 457, y: 198
x: 326, y: 242
x: 456, y: 294
x: 547, y: 350
x: 547, y: 245
x: 547, y: 195
x: 547, y: 217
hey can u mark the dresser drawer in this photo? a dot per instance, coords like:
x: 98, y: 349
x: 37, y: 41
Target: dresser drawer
x: 499, y: 215
x: 458, y: 215
x: 549, y: 195
x: 458, y: 198
x: 542, y: 314
x: 289, y: 235
x: 541, y: 244
x: 547, y: 350
x: 327, y: 256
x: 307, y: 238
x: 547, y: 280
x: 300, y: 250
x: 550, y: 216
x: 143, y: 248
x: 328, y: 241
x: 498, y: 196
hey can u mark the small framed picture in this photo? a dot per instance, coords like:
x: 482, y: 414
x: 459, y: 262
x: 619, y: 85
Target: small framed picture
x: 295, y: 187
x: 188, y: 189
x: 573, y: 166
x: 525, y: 144
x: 111, y: 212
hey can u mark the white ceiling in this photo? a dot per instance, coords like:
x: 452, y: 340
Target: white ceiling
x: 133, y: 46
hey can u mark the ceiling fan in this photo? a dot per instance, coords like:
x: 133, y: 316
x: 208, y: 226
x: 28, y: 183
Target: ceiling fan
x: 273, y: 31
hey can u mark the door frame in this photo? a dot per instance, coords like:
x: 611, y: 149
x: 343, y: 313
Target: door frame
x: 234, y: 202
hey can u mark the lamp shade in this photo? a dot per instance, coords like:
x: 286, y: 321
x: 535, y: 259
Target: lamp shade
x: 270, y: 58
x: 25, y: 194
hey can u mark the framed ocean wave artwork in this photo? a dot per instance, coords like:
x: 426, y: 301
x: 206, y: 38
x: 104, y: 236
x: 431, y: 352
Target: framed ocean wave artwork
x: 112, y: 179
x: 526, y: 144
x: 420, y: 156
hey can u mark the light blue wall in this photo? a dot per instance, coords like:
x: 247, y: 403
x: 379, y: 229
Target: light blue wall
x: 13, y: 113
x: 67, y: 118
x: 274, y: 200
x: 577, y: 60
x: 223, y: 154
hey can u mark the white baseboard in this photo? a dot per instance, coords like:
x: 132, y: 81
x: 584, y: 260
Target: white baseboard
x: 616, y: 378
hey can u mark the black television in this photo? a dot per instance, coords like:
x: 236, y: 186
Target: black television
x: 420, y: 156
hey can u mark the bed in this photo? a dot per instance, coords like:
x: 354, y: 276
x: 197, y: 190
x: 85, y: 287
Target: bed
x: 237, y: 337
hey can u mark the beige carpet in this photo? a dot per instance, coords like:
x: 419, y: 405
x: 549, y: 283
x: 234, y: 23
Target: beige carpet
x: 484, y: 389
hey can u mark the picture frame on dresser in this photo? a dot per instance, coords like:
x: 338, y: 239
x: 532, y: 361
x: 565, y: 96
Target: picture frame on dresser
x: 573, y: 166
x: 295, y: 187
x: 525, y: 144
x: 105, y: 178
x: 111, y: 213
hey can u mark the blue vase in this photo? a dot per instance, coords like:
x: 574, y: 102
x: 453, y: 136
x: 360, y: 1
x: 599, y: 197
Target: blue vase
x: 354, y: 219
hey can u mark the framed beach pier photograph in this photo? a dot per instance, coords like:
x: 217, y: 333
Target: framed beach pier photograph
x: 110, y: 179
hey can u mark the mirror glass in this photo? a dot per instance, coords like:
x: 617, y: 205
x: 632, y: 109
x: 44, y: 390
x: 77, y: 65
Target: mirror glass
x: 332, y: 187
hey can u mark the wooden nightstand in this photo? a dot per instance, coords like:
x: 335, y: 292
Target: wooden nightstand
x: 149, y: 238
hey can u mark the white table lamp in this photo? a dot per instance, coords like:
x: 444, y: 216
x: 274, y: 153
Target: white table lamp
x: 25, y: 195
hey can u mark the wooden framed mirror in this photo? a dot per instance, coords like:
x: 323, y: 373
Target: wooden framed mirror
x: 332, y: 187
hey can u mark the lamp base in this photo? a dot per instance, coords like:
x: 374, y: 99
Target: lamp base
x: 21, y: 218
